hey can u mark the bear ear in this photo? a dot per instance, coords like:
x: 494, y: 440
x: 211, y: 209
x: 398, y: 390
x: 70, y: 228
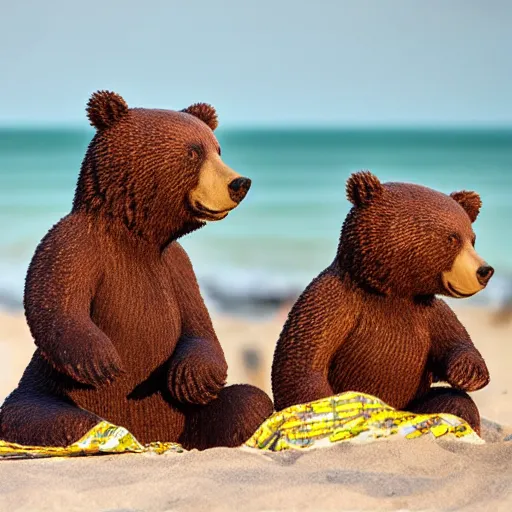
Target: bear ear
x: 204, y: 112
x: 105, y: 108
x: 363, y: 187
x: 470, y: 201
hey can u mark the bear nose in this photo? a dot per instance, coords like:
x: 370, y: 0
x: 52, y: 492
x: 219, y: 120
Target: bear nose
x: 238, y: 188
x: 484, y: 273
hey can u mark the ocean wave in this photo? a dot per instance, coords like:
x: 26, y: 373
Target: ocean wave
x: 252, y: 293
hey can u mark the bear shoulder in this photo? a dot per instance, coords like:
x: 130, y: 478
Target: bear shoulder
x: 71, y: 240
x: 328, y: 294
x: 176, y: 253
x: 178, y: 262
x: 446, y: 330
x: 443, y: 320
x: 67, y: 261
x: 323, y: 315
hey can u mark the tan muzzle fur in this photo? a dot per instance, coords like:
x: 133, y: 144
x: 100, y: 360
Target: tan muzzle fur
x: 462, y: 279
x: 211, y: 200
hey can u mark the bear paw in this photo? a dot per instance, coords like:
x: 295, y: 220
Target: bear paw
x: 93, y: 362
x: 468, y: 372
x: 197, y: 378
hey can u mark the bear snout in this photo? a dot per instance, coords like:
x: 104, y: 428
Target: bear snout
x: 468, y: 275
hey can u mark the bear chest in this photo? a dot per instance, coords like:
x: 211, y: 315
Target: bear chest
x: 137, y: 306
x: 385, y: 355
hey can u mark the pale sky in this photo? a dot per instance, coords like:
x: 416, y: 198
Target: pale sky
x: 265, y: 62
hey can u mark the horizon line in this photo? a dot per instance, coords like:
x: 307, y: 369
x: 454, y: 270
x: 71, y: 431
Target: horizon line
x: 282, y: 126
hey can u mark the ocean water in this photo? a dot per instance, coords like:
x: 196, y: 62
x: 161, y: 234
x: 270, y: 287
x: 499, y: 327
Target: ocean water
x: 286, y: 230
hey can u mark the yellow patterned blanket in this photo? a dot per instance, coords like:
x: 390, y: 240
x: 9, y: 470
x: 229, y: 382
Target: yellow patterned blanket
x: 348, y: 416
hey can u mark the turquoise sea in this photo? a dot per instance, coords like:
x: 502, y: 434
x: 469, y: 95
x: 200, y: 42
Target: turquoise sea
x: 287, y: 228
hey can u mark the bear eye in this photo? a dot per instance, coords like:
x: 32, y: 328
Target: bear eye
x: 194, y: 152
x: 454, y: 239
x: 473, y: 241
x: 219, y: 151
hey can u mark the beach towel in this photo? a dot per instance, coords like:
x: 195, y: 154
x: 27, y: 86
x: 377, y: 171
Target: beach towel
x: 346, y: 417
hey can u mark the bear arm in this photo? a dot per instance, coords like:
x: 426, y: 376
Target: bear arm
x: 453, y: 356
x: 59, y: 290
x: 317, y: 325
x: 197, y: 368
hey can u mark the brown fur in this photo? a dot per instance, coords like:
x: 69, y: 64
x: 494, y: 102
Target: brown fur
x: 204, y: 112
x: 112, y: 301
x: 371, y: 321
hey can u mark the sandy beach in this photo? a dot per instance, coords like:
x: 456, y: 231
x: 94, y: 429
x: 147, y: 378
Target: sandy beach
x: 385, y: 475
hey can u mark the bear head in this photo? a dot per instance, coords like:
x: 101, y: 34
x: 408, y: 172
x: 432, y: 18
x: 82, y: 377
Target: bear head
x: 158, y: 172
x: 409, y: 240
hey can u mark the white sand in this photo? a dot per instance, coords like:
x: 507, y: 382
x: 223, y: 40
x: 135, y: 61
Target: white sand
x: 386, y: 475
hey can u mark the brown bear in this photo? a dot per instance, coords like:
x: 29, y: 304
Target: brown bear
x: 371, y: 321
x: 111, y: 298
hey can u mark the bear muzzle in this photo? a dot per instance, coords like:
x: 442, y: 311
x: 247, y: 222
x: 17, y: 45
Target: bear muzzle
x: 469, y: 274
x: 219, y: 190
